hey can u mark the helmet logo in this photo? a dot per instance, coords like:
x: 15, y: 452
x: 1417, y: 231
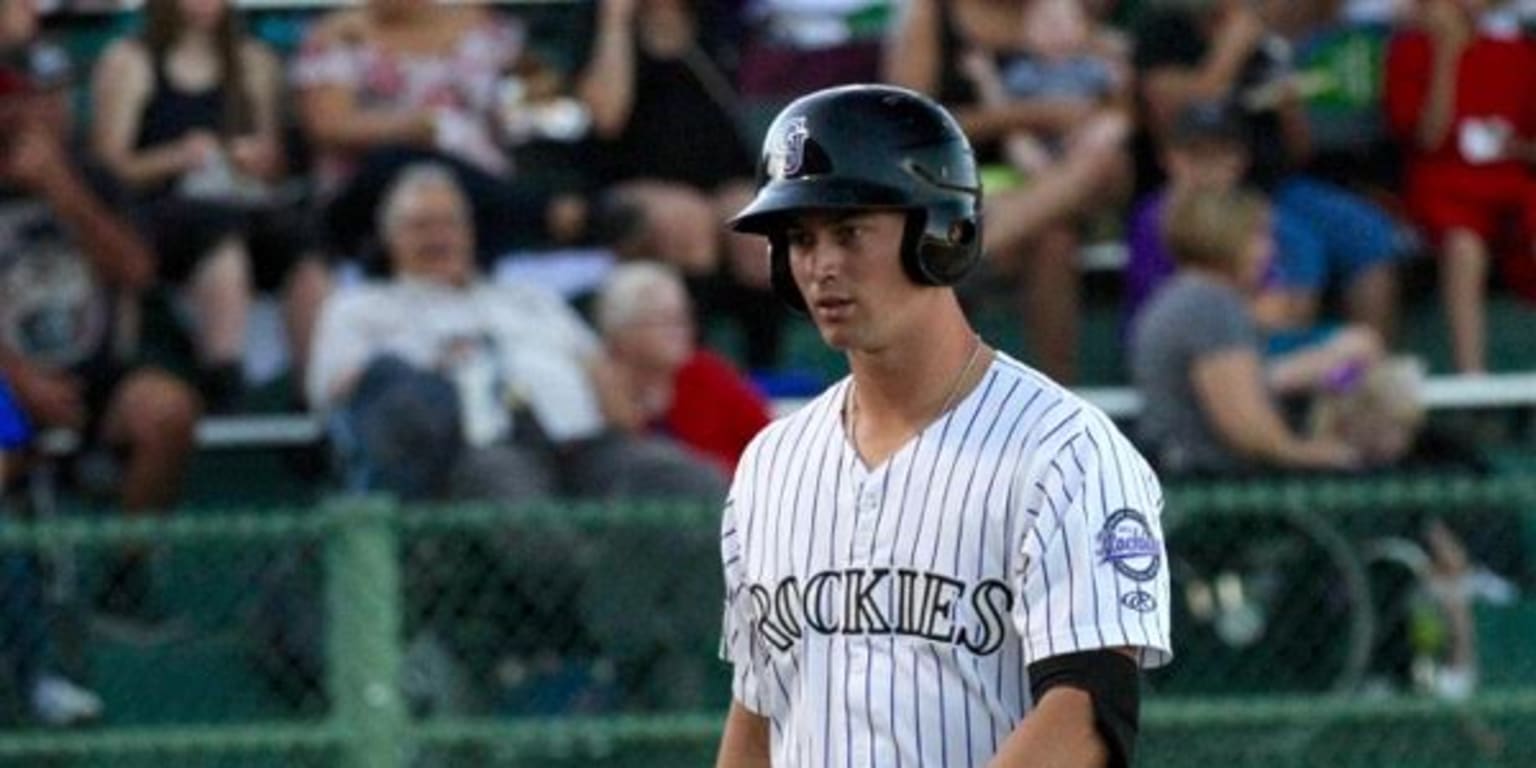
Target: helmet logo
x: 788, y: 154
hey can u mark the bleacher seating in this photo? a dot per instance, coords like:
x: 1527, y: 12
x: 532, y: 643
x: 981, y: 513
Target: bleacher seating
x: 243, y: 466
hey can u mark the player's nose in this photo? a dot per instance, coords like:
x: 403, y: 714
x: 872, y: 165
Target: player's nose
x: 824, y: 259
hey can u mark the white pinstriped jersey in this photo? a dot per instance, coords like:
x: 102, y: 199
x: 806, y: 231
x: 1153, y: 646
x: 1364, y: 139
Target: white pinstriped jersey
x: 885, y: 616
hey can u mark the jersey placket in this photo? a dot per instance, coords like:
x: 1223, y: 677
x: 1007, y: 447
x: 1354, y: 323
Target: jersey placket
x: 862, y: 555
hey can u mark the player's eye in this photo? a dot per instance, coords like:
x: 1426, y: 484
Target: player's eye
x: 850, y: 234
x: 799, y: 239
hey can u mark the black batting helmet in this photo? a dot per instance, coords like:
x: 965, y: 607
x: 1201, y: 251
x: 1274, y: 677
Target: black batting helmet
x: 871, y: 147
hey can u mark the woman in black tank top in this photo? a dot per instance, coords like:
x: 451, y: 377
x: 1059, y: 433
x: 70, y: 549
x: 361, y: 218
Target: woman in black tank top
x: 1032, y: 229
x: 186, y: 118
x: 173, y: 113
x: 672, y: 157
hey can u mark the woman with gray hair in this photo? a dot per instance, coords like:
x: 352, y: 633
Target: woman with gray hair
x: 676, y: 387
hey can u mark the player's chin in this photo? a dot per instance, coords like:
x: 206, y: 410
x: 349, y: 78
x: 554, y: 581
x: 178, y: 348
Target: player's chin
x: 838, y: 336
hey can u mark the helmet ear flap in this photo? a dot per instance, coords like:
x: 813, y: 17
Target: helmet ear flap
x: 913, y: 260
x: 940, y: 257
x: 782, y: 278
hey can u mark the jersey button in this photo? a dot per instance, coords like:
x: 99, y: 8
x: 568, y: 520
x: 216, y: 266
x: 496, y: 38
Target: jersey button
x: 869, y: 502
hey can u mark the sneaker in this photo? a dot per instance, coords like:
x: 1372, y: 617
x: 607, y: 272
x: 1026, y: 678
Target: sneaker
x: 57, y: 702
x: 1486, y: 586
x: 1454, y: 683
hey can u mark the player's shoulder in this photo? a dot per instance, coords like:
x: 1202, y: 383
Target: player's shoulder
x: 1050, y: 415
x: 1060, y: 428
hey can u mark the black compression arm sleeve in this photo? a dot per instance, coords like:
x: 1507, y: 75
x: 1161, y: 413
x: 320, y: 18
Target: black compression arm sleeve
x: 1112, y: 680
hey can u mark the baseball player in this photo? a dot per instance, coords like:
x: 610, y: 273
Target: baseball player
x: 945, y: 559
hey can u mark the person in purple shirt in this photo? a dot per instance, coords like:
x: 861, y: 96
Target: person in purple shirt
x: 1207, y: 150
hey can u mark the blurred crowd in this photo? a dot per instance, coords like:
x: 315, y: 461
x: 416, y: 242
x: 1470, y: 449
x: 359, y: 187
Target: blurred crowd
x: 1269, y: 165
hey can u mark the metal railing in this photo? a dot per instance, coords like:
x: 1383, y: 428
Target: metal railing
x: 385, y: 576
x: 1511, y: 391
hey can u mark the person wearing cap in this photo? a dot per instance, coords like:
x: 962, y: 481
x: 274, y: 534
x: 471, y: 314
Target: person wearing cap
x: 1197, y: 351
x: 1209, y: 147
x: 74, y: 276
x: 1197, y: 52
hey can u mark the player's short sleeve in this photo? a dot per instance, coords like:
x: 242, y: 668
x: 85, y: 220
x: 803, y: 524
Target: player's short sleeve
x: 739, y: 645
x: 1095, y: 568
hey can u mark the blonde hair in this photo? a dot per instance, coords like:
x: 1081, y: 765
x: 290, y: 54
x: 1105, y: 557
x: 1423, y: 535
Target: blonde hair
x: 1388, y: 400
x: 1209, y: 228
x: 625, y: 293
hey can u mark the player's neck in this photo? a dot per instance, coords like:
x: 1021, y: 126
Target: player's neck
x: 907, y: 386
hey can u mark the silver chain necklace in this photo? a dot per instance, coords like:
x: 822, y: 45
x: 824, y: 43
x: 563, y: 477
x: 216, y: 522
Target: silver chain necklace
x: 949, y: 400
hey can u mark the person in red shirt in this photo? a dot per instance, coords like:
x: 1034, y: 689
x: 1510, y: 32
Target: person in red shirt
x: 678, y: 388
x: 1462, y: 101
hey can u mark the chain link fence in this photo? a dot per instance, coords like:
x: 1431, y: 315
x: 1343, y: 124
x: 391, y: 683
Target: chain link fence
x: 1317, y: 623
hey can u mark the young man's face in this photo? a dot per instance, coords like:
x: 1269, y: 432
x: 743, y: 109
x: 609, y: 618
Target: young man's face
x: 1217, y: 166
x: 848, y: 267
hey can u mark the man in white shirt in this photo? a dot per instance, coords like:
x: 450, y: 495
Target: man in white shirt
x: 451, y: 385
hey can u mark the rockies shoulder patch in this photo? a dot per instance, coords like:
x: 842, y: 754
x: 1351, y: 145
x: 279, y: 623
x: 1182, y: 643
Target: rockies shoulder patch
x: 1127, y: 544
